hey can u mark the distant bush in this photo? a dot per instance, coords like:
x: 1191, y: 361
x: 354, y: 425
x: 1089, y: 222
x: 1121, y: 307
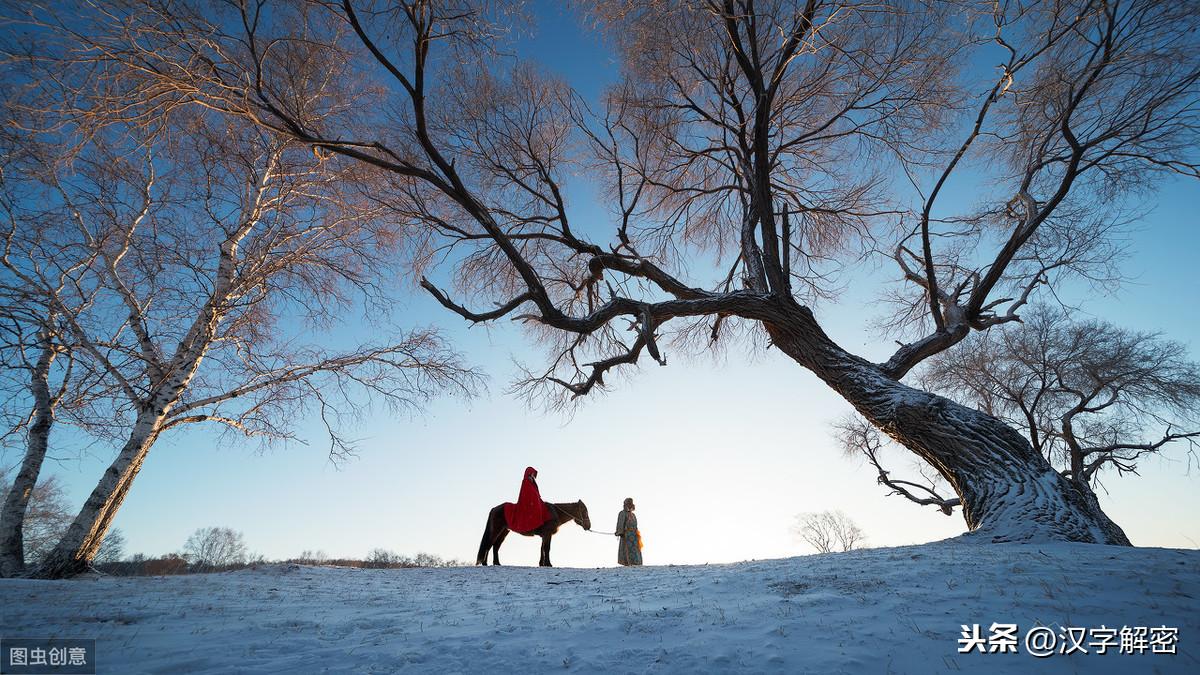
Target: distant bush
x: 141, y: 566
x: 381, y: 558
x: 308, y: 557
x: 829, y: 530
x: 174, y: 563
x: 216, y: 548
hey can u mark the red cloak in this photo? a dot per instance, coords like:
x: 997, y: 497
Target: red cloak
x: 530, y: 511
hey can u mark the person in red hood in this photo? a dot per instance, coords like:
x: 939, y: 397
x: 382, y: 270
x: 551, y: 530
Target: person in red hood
x: 530, y: 512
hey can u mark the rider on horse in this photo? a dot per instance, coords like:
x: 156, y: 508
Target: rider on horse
x: 530, y: 516
x: 530, y: 512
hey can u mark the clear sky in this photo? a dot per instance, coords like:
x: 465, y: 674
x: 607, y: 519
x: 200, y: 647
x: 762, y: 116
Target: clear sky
x: 720, y: 455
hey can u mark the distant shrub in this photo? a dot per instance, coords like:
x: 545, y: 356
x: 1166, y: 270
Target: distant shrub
x: 212, y: 549
x: 175, y: 563
x: 141, y: 566
x: 380, y: 558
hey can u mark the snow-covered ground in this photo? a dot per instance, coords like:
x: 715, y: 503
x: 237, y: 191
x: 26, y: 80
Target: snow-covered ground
x: 891, y: 610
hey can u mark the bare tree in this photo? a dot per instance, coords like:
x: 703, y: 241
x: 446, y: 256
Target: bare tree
x: 1088, y: 396
x: 212, y: 548
x: 829, y: 531
x: 35, y: 349
x: 47, y: 515
x: 310, y: 557
x: 187, y: 259
x: 811, y: 527
x: 32, y: 356
x: 849, y: 535
x: 382, y: 558
x: 112, y: 547
x: 745, y: 156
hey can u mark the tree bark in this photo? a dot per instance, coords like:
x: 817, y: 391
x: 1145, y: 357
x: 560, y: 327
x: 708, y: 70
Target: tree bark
x: 1009, y: 491
x: 16, y: 503
x: 74, y: 552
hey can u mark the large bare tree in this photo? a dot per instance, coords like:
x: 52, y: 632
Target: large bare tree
x: 1090, y: 396
x: 1094, y: 399
x: 751, y: 149
x: 193, y: 263
x: 30, y: 400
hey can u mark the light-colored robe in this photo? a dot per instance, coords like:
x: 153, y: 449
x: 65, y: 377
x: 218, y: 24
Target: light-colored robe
x: 628, y: 551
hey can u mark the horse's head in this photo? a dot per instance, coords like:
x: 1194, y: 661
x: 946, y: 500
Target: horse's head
x: 581, y: 516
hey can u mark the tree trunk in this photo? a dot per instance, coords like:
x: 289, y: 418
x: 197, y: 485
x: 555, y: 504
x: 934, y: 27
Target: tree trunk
x: 16, y: 503
x: 1009, y: 491
x: 78, y: 546
x: 74, y: 552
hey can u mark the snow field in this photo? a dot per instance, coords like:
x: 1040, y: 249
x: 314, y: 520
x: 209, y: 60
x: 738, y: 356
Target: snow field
x: 889, y: 610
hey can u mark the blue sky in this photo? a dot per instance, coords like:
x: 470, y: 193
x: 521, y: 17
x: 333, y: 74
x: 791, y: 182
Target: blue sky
x: 720, y: 454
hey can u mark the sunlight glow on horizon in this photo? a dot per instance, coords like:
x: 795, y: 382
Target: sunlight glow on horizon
x: 719, y: 454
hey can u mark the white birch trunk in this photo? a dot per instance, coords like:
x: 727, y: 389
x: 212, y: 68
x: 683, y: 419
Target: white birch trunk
x: 75, y: 551
x: 79, y: 544
x: 16, y: 503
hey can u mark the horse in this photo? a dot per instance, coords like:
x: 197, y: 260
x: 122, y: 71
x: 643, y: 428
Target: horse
x: 497, y: 529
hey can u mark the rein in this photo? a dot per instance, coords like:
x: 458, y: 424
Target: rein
x: 574, y: 517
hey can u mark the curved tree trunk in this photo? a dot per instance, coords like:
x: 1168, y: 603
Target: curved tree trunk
x: 1009, y: 491
x: 16, y: 502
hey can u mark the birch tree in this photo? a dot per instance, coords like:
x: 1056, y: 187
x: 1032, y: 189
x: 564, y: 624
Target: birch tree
x: 30, y: 349
x: 208, y: 259
x: 750, y: 151
x: 32, y: 421
x: 39, y: 365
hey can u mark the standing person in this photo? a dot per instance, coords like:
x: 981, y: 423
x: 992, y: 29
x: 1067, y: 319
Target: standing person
x: 629, y: 550
x: 530, y: 512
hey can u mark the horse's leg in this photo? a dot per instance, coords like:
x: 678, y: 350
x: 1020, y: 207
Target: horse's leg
x: 485, y: 544
x: 495, y: 524
x: 545, y: 561
x: 496, y: 546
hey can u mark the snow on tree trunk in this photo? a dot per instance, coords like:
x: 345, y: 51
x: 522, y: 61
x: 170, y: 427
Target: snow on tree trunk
x: 16, y: 503
x: 1009, y: 491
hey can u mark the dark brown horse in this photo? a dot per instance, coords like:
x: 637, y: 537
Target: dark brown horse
x: 497, y: 530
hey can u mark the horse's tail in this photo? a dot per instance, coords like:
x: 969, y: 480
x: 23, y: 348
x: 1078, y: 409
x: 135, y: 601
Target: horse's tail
x: 481, y: 559
x: 485, y: 543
